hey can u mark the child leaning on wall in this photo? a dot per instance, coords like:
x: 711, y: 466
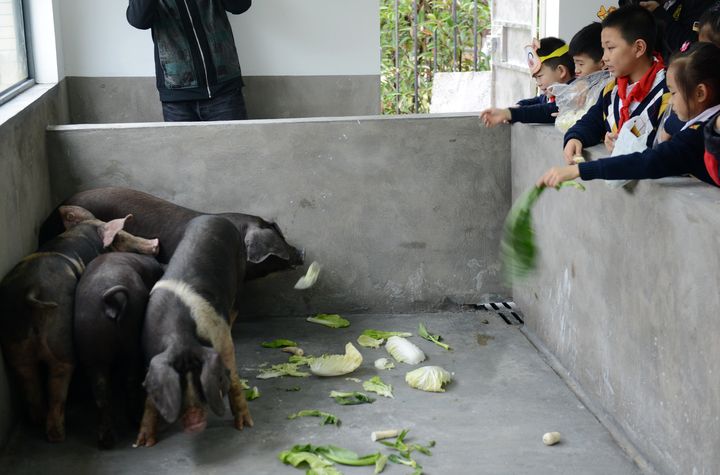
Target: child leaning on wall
x: 695, y: 90
x: 575, y: 99
x: 638, y: 90
x: 550, y: 64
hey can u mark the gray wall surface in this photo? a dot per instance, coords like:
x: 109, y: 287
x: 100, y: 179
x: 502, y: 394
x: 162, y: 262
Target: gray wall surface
x: 627, y: 299
x: 403, y: 213
x: 106, y: 100
x: 24, y: 195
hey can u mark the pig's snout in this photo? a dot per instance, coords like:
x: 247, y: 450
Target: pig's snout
x: 194, y: 420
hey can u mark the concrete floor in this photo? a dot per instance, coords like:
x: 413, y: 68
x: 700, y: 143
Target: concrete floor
x: 490, y: 420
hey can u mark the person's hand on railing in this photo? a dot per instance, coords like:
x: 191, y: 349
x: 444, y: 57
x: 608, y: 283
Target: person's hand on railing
x: 573, y: 148
x: 556, y: 175
x: 494, y: 116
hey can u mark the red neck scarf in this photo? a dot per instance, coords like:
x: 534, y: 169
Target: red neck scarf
x: 639, y: 92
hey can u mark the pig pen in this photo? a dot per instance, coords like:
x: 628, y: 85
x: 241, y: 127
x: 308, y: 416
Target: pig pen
x: 405, y: 216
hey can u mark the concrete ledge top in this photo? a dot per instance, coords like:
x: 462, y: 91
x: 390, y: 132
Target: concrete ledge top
x: 366, y: 118
x: 686, y: 188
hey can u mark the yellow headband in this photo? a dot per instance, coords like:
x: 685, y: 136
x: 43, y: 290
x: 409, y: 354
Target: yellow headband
x: 557, y: 53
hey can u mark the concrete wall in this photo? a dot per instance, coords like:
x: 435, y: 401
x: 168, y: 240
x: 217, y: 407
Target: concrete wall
x: 135, y: 99
x: 403, y: 214
x: 627, y: 299
x: 24, y: 188
x: 315, y: 58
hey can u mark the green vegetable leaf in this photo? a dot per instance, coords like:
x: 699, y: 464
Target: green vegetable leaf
x: 327, y: 418
x: 279, y: 343
x: 252, y: 394
x: 422, y: 331
x: 345, y: 456
x: 351, y: 398
x: 369, y: 342
x: 301, y: 360
x: 518, y: 251
x: 329, y: 320
x: 376, y: 385
x: 282, y: 369
x: 380, y: 464
x: 318, y: 465
x: 383, y: 335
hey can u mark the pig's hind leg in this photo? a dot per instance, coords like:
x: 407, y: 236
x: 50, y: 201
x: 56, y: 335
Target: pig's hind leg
x: 236, y: 395
x: 147, y: 436
x: 100, y: 379
x: 60, y: 374
x: 28, y: 374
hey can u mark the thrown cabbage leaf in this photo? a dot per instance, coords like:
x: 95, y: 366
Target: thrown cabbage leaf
x: 428, y: 378
x: 327, y: 418
x: 518, y: 251
x: 404, y: 350
x: 282, y: 369
x: 351, y: 398
x: 384, y: 363
x: 252, y: 394
x: 310, y: 277
x: 376, y: 385
x: 336, y: 365
x: 383, y: 335
x: 369, y: 342
x: 318, y: 465
x: 279, y: 343
x: 329, y: 320
x: 423, y: 333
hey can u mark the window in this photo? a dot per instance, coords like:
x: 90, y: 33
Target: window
x: 13, y: 50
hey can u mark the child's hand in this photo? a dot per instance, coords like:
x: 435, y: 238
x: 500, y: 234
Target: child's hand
x: 610, y: 139
x: 573, y: 148
x: 557, y: 175
x: 494, y: 116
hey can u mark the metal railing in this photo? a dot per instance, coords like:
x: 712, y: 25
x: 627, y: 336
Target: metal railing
x: 435, y: 26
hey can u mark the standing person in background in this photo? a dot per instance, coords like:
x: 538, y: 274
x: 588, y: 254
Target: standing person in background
x: 196, y: 63
x: 679, y: 19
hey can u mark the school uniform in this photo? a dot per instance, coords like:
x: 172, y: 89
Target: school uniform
x: 681, y: 155
x: 607, y: 114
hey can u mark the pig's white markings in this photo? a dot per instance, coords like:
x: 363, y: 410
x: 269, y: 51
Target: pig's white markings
x: 210, y: 325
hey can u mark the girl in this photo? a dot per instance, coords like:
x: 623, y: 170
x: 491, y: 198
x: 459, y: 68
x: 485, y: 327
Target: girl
x: 695, y: 90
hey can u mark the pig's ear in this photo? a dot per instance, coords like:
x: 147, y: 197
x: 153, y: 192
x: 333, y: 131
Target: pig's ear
x: 162, y: 384
x: 109, y: 230
x: 215, y: 381
x: 264, y: 242
x: 72, y: 215
x: 115, y: 299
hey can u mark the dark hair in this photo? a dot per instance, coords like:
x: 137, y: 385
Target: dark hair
x: 711, y: 19
x: 587, y: 41
x: 634, y: 23
x: 692, y: 69
x: 550, y: 44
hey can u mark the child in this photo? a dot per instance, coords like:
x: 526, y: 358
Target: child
x: 639, y: 89
x: 695, y: 90
x: 586, y: 50
x: 555, y: 66
x: 709, y: 25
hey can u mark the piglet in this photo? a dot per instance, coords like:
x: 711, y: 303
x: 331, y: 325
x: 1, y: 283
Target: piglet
x: 110, y: 303
x: 186, y: 335
x: 36, y: 310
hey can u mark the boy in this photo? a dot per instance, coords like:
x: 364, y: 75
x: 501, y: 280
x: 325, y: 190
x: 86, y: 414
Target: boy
x: 586, y: 50
x: 639, y: 89
x: 554, y: 66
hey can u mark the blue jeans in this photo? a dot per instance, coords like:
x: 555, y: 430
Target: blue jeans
x: 226, y: 106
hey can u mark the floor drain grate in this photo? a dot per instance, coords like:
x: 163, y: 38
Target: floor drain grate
x: 508, y: 311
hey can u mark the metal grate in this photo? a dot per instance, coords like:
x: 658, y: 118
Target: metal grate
x: 508, y: 311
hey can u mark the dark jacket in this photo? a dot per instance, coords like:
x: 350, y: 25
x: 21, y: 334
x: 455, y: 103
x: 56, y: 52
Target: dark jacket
x: 681, y: 155
x: 195, y: 55
x: 677, y: 23
x: 534, y: 114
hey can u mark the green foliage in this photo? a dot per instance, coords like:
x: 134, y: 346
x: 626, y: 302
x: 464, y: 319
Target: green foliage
x: 434, y: 20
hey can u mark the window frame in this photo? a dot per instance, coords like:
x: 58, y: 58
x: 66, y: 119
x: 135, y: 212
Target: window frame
x: 24, y: 84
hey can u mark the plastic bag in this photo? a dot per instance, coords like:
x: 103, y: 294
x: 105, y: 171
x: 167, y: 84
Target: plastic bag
x: 575, y: 99
x: 632, y: 138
